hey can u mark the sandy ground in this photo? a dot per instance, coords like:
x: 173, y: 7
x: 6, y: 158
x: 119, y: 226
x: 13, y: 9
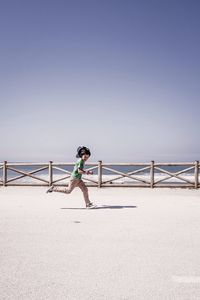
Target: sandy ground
x: 140, y: 244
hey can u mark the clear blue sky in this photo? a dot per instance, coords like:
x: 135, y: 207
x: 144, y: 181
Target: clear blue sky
x: 121, y: 77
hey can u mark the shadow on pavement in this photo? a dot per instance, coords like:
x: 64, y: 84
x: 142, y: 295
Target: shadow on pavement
x: 103, y: 207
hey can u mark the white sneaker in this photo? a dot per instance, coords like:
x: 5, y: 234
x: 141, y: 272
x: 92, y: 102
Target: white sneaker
x: 91, y: 205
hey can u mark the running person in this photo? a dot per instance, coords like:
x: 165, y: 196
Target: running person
x: 83, y: 153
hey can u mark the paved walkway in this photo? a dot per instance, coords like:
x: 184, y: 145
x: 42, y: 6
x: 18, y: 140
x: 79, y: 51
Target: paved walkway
x: 141, y: 244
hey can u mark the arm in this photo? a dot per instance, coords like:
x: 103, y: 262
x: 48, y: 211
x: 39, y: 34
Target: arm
x: 81, y: 171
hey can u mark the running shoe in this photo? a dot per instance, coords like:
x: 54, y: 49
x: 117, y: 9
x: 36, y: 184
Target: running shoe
x: 91, y: 205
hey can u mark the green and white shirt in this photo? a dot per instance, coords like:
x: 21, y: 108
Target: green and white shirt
x: 78, y: 165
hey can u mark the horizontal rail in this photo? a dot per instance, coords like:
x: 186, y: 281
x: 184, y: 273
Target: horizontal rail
x: 29, y: 164
x: 151, y: 174
x: 95, y: 164
x: 174, y: 164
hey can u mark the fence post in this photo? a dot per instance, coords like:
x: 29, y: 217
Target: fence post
x: 50, y: 173
x: 99, y: 173
x: 5, y: 173
x: 196, y: 174
x: 152, y: 174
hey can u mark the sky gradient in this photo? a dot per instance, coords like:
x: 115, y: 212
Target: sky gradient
x: 121, y: 77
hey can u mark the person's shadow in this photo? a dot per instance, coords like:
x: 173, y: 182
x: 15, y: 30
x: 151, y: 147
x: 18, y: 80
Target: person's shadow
x: 103, y: 207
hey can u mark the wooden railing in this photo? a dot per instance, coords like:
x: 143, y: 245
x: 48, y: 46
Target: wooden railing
x: 105, y: 174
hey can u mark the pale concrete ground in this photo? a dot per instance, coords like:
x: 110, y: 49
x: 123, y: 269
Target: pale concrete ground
x: 142, y: 244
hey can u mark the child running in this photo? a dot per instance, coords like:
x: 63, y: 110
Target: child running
x: 83, y: 153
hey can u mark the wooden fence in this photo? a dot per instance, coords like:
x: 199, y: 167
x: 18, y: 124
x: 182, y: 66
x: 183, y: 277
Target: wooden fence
x: 185, y: 175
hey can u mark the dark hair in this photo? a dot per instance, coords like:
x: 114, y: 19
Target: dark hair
x: 83, y: 150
